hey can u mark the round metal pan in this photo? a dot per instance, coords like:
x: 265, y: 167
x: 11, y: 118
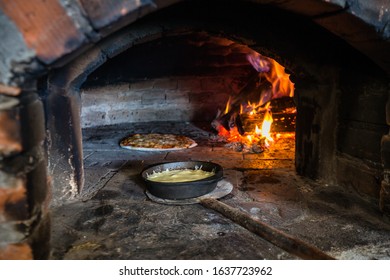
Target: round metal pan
x: 183, y: 190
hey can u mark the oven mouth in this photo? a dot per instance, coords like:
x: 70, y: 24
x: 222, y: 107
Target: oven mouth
x: 139, y: 86
x: 222, y: 90
x: 78, y: 78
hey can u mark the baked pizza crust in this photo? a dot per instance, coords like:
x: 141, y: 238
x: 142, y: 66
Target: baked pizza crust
x: 157, y: 142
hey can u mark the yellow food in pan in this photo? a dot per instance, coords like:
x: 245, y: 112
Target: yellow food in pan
x: 179, y: 175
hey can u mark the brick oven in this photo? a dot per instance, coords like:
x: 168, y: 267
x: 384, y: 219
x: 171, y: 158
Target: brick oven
x: 76, y: 76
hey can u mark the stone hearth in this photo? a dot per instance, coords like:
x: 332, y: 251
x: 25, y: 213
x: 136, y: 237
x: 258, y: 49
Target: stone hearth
x: 68, y: 191
x: 116, y: 220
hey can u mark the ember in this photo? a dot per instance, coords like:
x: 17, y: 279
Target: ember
x: 246, y: 124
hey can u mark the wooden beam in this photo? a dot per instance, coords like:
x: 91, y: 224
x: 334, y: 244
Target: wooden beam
x: 284, y: 241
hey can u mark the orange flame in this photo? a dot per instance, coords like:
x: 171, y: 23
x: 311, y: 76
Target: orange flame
x: 280, y: 80
x: 227, y: 108
x: 275, y: 74
x: 266, y: 128
x: 253, y: 137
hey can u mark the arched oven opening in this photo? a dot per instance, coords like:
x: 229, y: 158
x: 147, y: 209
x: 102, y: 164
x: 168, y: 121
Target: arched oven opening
x: 204, y: 86
x: 202, y: 64
x: 295, y: 115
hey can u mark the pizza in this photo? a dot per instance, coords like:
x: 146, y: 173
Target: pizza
x: 156, y: 141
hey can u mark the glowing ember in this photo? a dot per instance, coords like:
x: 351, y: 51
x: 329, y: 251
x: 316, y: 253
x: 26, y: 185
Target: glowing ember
x: 258, y: 136
x: 259, y: 112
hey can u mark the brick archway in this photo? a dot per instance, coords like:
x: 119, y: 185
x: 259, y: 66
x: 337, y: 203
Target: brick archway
x: 34, y: 50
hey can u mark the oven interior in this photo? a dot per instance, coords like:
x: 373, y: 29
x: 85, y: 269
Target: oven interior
x: 176, y: 81
x: 297, y: 116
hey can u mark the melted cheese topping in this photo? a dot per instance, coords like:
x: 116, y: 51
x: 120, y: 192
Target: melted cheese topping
x: 179, y: 175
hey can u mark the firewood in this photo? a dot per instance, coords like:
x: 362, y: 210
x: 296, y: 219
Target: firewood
x: 254, y: 92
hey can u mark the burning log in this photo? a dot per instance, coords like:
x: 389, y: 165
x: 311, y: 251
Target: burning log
x: 271, y: 82
x: 283, y: 115
x: 256, y: 90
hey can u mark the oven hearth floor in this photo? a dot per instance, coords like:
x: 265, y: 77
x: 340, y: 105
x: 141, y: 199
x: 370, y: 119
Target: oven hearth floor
x: 114, y: 219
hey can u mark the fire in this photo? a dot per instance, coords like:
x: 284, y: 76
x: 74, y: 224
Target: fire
x: 260, y: 111
x: 227, y: 108
x: 274, y: 73
x: 266, y: 128
x: 255, y: 136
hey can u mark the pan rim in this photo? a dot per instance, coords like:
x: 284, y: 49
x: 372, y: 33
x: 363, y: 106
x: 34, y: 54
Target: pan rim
x: 182, y: 190
x: 217, y: 176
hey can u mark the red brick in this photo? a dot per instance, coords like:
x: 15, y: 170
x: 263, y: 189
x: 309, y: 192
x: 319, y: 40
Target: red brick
x: 13, y: 198
x: 24, y: 195
x: 10, y: 138
x: 16, y: 252
x: 9, y: 90
x: 21, y: 127
x: 45, y: 26
x: 104, y: 13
